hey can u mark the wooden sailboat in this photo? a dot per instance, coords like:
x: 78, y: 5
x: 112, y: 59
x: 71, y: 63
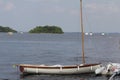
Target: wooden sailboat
x: 62, y: 69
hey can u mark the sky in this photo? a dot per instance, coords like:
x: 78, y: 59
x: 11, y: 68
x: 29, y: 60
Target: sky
x: 98, y: 15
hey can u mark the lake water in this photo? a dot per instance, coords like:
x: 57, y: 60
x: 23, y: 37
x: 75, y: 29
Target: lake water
x: 64, y: 49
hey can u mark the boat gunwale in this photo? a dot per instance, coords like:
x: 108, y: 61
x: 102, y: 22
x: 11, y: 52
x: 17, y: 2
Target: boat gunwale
x: 56, y: 67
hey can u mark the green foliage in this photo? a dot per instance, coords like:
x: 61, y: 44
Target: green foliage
x: 6, y: 29
x: 46, y: 29
x: 37, y: 29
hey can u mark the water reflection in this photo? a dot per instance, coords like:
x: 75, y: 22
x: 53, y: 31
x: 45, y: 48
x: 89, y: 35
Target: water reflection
x: 65, y: 77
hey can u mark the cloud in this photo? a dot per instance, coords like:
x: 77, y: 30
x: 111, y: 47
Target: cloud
x: 74, y: 12
x: 59, y: 10
x: 43, y: 0
x: 1, y: 3
x: 103, y: 8
x: 6, y: 6
x: 53, y: 9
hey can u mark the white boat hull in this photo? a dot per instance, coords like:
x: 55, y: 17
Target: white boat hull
x: 74, y: 69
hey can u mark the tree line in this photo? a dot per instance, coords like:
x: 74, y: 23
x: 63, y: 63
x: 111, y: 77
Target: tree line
x: 37, y: 29
x: 46, y: 29
x: 6, y: 29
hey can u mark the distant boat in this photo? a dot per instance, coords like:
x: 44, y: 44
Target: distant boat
x: 86, y: 33
x: 62, y: 69
x: 103, y: 34
x: 21, y: 32
x: 10, y: 33
x: 90, y: 33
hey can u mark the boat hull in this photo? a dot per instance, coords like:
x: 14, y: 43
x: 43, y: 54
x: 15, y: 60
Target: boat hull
x: 73, y: 69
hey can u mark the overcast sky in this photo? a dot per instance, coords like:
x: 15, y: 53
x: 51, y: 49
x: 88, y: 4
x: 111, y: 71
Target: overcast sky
x: 23, y: 15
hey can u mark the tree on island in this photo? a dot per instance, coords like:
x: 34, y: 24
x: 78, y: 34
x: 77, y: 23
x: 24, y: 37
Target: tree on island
x: 6, y: 29
x: 46, y: 29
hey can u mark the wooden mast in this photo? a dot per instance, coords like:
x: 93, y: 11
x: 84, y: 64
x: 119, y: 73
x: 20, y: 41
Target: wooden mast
x: 82, y: 32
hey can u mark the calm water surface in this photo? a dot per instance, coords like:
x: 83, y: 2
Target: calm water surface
x: 55, y: 49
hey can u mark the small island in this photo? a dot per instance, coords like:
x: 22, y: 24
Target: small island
x: 6, y: 29
x: 37, y: 29
x: 46, y: 29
